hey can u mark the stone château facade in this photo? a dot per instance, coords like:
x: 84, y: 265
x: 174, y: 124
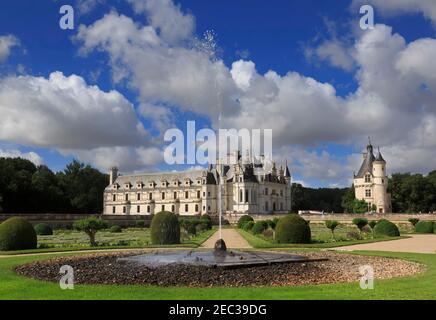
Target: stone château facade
x: 195, y: 192
x: 371, y: 182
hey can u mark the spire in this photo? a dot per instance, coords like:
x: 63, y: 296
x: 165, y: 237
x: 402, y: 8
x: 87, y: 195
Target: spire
x: 369, y: 147
x: 287, y: 173
x: 379, y: 156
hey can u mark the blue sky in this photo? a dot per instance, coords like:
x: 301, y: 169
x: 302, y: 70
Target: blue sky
x: 305, y: 60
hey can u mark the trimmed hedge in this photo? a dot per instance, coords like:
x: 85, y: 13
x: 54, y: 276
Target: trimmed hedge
x: 292, y: 229
x: 424, y: 227
x: 115, y: 229
x: 17, y: 234
x: 386, y: 228
x: 43, y: 229
x: 259, y: 227
x: 243, y: 220
x: 165, y: 228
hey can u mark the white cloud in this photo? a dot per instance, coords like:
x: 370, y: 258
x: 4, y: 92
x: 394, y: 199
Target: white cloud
x: 126, y: 158
x: 64, y: 112
x: 183, y: 76
x: 15, y: 153
x: 6, y: 45
x: 164, y: 16
x: 394, y: 7
x: 332, y: 51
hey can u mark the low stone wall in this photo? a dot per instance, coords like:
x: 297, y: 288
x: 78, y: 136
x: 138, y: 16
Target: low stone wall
x: 65, y: 220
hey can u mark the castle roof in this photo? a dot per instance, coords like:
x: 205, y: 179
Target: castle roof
x: 367, y: 162
x: 380, y: 157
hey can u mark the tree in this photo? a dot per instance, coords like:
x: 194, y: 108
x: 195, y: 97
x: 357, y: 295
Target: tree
x: 360, y: 223
x: 332, y: 224
x: 348, y: 200
x: 84, y: 187
x: 90, y: 226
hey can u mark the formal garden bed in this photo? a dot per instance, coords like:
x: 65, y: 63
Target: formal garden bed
x: 327, y: 234
x: 105, y: 269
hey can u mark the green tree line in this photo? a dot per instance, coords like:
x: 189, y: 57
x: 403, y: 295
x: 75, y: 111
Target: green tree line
x: 27, y: 188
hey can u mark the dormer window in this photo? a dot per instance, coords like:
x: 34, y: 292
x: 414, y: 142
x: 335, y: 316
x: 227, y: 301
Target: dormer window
x: 115, y: 186
x: 127, y: 185
x: 139, y: 185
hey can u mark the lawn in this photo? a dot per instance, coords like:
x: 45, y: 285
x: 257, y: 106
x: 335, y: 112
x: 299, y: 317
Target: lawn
x: 69, y: 240
x: 321, y: 238
x: 422, y: 286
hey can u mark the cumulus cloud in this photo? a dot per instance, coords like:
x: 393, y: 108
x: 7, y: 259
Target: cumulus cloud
x: 64, y: 112
x: 183, y: 76
x: 15, y: 153
x: 332, y: 51
x: 168, y: 19
x: 6, y: 45
x: 393, y: 102
x: 394, y: 7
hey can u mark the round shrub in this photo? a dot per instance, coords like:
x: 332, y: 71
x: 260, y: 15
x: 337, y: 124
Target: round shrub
x: 43, y: 229
x: 247, y: 226
x: 424, y: 227
x: 259, y: 227
x: 386, y: 228
x: 115, y: 229
x: 244, y: 219
x: 165, y: 228
x: 17, y: 234
x: 293, y: 229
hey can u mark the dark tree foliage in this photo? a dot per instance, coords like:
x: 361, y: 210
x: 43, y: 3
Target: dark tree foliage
x: 323, y: 199
x: 413, y: 193
x: 26, y: 188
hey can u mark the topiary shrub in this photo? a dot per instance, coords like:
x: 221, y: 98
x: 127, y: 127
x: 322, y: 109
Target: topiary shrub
x: 386, y: 228
x: 115, y: 229
x: 353, y: 235
x: 332, y: 225
x: 360, y: 223
x: 244, y: 219
x: 247, y: 226
x: 424, y: 227
x: 43, y: 229
x: 259, y: 227
x: 17, y: 234
x: 292, y: 229
x: 165, y: 228
x: 90, y: 226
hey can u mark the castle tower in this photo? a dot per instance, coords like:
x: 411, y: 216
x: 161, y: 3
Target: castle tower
x: 371, y: 182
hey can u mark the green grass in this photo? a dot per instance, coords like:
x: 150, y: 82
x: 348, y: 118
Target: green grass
x: 421, y: 286
x: 260, y: 242
x: 134, y: 238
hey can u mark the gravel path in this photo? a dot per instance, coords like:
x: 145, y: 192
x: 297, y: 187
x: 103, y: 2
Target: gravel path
x: 231, y: 237
x: 104, y: 269
x: 417, y: 243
